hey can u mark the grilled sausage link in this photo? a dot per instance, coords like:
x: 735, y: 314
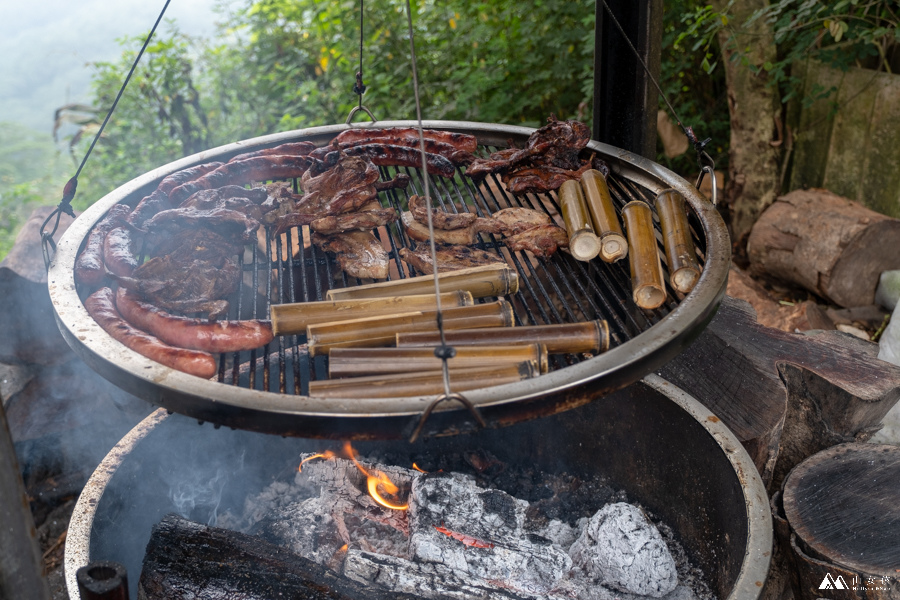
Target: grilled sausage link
x: 449, y: 151
x: 118, y: 252
x: 89, y: 268
x: 289, y: 149
x: 402, y: 156
x: 101, y: 306
x: 196, y: 334
x: 159, y: 199
x: 259, y: 168
x: 460, y: 141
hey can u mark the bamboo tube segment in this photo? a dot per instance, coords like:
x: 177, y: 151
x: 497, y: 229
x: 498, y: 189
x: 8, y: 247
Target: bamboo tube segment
x: 293, y: 319
x: 583, y: 244
x: 613, y: 245
x: 372, y: 332
x: 648, y: 290
x: 482, y: 282
x: 567, y: 338
x: 357, y: 362
x: 681, y: 256
x: 418, y: 384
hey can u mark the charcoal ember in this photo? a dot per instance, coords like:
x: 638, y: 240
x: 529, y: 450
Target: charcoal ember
x: 428, y: 580
x: 486, y: 534
x: 621, y: 549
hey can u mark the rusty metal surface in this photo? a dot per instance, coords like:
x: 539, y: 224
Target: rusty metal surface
x: 361, y: 418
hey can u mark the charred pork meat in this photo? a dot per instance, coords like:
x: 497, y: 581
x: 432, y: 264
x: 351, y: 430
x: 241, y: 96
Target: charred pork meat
x: 462, y: 236
x: 440, y: 218
x: 359, y: 253
x: 461, y: 142
x: 449, y: 258
x: 516, y: 220
x: 369, y: 219
x: 542, y: 241
x: 185, y: 286
x: 226, y: 221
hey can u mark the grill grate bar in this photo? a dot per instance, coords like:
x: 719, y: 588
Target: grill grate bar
x: 556, y: 290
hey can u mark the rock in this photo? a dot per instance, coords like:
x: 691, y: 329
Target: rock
x: 13, y: 379
x: 888, y: 291
x: 791, y: 318
x: 854, y: 331
x: 870, y: 316
x: 621, y: 549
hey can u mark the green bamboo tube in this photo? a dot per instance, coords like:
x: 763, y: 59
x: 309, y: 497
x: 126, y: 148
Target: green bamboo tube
x: 358, y: 362
x: 613, y: 245
x: 372, y: 332
x: 482, y: 282
x: 568, y: 338
x: 647, y: 288
x: 293, y: 319
x: 583, y: 243
x: 418, y: 384
x: 681, y: 256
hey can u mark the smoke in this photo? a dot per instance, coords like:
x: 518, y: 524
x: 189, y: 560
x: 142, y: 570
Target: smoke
x: 198, y: 496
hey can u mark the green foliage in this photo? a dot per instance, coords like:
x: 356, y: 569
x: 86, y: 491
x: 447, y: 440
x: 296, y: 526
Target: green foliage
x: 692, y: 83
x: 31, y: 175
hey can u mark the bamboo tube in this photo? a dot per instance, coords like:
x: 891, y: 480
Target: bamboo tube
x: 418, y: 384
x: 613, y: 245
x: 583, y: 244
x: 382, y: 330
x: 293, y: 319
x: 482, y: 282
x: 357, y: 362
x: 681, y: 256
x: 647, y: 286
x: 568, y: 338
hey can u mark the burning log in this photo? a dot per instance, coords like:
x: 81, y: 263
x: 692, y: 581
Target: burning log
x: 481, y: 533
x: 187, y: 560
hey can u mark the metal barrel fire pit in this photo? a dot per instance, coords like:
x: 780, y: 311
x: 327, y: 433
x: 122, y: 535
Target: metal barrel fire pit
x: 652, y: 440
x: 267, y: 389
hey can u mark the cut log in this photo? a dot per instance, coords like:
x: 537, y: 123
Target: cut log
x: 785, y: 396
x: 187, y: 560
x: 830, y: 245
x: 843, y: 509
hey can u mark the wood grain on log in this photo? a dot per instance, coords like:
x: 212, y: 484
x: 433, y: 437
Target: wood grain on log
x: 785, y: 396
x: 825, y: 243
x: 843, y: 509
x: 187, y: 560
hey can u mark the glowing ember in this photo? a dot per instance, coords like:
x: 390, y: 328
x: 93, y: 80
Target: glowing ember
x: 324, y: 455
x: 418, y: 468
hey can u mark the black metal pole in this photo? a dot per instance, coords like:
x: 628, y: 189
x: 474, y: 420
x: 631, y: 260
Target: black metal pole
x: 625, y: 101
x: 20, y: 557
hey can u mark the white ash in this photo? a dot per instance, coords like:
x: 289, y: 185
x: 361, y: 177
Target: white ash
x: 621, y: 549
x: 428, y: 580
x: 524, y: 562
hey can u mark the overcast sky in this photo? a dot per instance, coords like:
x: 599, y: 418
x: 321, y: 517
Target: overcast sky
x: 45, y: 46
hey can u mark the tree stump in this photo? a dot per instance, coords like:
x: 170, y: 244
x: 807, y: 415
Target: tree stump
x: 830, y: 245
x: 785, y: 396
x: 843, y: 509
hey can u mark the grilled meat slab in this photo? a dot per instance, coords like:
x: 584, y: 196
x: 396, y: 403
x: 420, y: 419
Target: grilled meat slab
x: 440, y: 218
x: 388, y: 155
x: 289, y: 149
x: 228, y: 222
x: 462, y: 142
x: 449, y: 258
x: 517, y: 220
x: 359, y: 253
x: 185, y: 286
x: 369, y: 219
x: 543, y: 178
x: 462, y: 236
x: 259, y: 168
x: 542, y: 241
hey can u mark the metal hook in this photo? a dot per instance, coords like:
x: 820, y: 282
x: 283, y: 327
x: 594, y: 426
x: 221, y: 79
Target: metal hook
x: 445, y: 397
x: 711, y: 169
x: 355, y: 110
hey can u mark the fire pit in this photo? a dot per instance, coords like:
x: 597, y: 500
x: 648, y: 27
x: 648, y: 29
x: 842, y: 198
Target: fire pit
x: 650, y: 440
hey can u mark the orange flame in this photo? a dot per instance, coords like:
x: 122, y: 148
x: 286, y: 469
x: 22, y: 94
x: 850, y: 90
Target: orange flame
x: 419, y: 469
x: 374, y: 480
x: 324, y: 455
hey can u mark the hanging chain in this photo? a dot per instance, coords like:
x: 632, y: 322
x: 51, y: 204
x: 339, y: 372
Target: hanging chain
x: 704, y: 160
x: 443, y: 352
x: 48, y: 246
x: 359, y: 87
